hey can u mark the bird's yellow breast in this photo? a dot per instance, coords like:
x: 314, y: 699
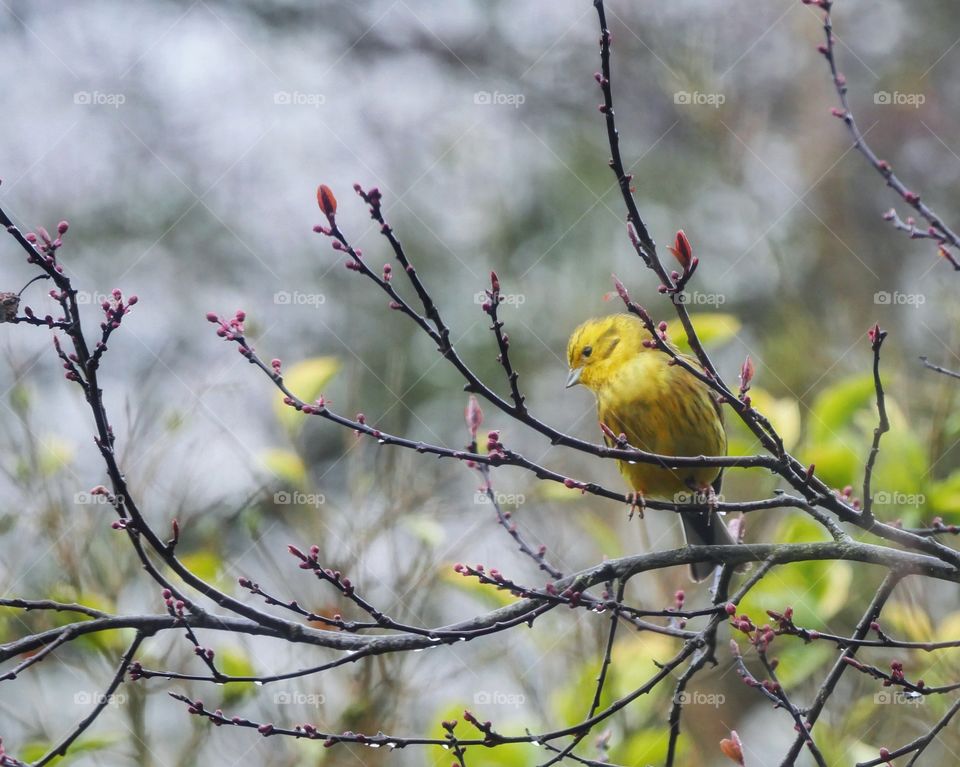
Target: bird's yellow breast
x: 663, y: 409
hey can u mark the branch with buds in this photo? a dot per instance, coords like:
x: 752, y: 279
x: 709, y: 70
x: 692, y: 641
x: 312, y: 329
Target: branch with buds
x: 598, y: 592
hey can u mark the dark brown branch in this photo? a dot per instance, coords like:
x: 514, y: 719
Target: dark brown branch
x: 938, y: 229
x: 929, y: 365
x: 877, y: 337
x: 841, y: 664
x: 102, y: 702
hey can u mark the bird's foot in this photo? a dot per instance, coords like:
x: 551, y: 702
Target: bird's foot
x: 637, y: 505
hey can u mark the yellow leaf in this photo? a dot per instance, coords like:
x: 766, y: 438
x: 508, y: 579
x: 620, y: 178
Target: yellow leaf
x: 489, y: 595
x: 557, y: 491
x: 425, y: 528
x: 907, y: 620
x: 54, y: 455
x: 307, y: 380
x: 203, y: 564
x: 712, y: 329
x: 782, y: 412
x: 285, y: 465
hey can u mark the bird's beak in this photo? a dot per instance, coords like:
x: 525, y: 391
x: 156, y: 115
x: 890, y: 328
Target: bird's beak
x: 573, y: 377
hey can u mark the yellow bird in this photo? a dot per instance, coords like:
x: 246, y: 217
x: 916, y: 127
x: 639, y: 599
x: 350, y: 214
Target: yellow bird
x: 660, y: 408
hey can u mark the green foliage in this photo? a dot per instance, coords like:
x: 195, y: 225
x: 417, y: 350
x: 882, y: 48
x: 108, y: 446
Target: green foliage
x: 816, y: 590
x: 234, y: 661
x: 33, y: 751
x: 839, y: 431
x: 518, y: 755
x: 640, y: 737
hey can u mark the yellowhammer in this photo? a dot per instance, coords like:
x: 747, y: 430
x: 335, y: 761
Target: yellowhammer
x: 660, y: 408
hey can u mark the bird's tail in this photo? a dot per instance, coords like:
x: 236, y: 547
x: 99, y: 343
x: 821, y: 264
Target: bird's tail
x: 704, y: 528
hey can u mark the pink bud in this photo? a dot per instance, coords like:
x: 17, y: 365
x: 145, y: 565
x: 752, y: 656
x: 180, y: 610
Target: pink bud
x: 746, y: 374
x: 473, y: 415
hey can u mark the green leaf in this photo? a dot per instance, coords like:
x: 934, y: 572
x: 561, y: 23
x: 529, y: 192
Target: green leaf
x: 307, y: 380
x: 648, y: 746
x: 943, y: 497
x: 837, y: 462
x: 34, y: 750
x: 712, y: 329
x: 20, y: 398
x: 513, y: 755
x: 634, y: 659
x: 235, y: 662
x: 286, y: 466
x: 816, y: 590
x: 835, y: 407
x: 102, y: 640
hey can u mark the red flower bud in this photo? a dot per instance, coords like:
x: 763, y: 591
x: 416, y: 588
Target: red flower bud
x: 682, y: 251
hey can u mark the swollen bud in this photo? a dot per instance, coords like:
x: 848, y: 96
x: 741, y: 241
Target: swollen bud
x: 732, y: 748
x: 326, y: 201
x: 746, y: 374
x: 473, y: 415
x: 621, y: 289
x: 682, y: 251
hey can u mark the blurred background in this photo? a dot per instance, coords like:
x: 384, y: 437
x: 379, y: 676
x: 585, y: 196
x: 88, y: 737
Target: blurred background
x: 184, y: 143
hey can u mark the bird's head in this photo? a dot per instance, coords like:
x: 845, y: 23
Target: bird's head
x: 599, y: 346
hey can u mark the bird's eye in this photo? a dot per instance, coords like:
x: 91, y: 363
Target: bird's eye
x: 587, y: 351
